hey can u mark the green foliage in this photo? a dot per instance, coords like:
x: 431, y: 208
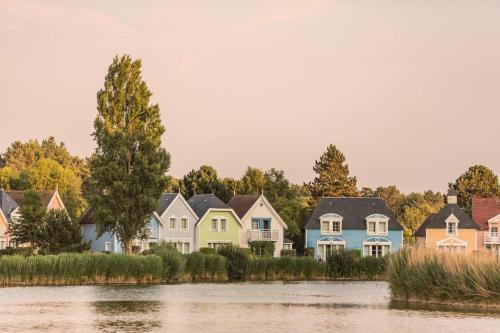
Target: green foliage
x: 291, y: 253
x: 237, y: 261
x: 309, y: 252
x: 332, y: 176
x: 127, y: 170
x: 28, y: 227
x: 22, y: 251
x: 286, y: 268
x: 252, y: 182
x: 477, y: 181
x: 418, y: 274
x: 60, y: 234
x: 71, y: 268
x: 262, y: 248
x: 205, y: 180
x: 207, y: 250
x: 349, y: 264
x: 173, y: 262
x: 201, y: 266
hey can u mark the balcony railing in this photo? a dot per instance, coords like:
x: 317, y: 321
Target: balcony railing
x: 492, y: 238
x: 262, y: 235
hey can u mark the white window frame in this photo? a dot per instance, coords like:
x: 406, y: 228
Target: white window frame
x: 187, y: 224
x: 330, y: 218
x: 218, y: 220
x: 375, y: 243
x: 175, y: 223
x: 452, y: 219
x: 153, y: 232
x: 338, y: 244
x: 378, y: 219
x: 214, y: 244
x: 107, y: 246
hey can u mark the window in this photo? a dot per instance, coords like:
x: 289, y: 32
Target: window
x: 2, y: 245
x: 107, y: 247
x: 287, y: 246
x: 255, y: 224
x: 325, y: 226
x: 216, y: 245
x: 372, y: 227
x: 452, y: 248
x: 336, y: 226
x: 376, y: 250
x: 223, y: 224
x: 172, y: 225
x: 494, y: 231
x: 153, y: 233
x: 184, y: 223
x: 325, y: 249
x: 214, y: 224
x: 219, y: 224
x: 382, y: 227
x: 452, y: 228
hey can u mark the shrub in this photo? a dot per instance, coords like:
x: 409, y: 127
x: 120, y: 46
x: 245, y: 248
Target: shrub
x: 173, y: 261
x: 309, y: 252
x: 201, y: 266
x: 237, y: 260
x: 285, y: 268
x: 23, y: 251
x: 207, y: 250
x: 262, y: 248
x: 291, y: 252
x: 341, y: 263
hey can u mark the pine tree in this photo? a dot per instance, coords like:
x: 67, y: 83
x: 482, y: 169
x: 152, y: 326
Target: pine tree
x: 27, y: 228
x: 128, y: 168
x: 332, y: 178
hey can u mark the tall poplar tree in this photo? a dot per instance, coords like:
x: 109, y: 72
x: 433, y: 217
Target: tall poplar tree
x: 128, y: 168
x: 332, y: 178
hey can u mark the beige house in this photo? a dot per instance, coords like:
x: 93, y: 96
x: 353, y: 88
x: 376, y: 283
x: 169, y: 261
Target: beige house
x: 450, y: 229
x: 260, y: 221
x: 10, y: 202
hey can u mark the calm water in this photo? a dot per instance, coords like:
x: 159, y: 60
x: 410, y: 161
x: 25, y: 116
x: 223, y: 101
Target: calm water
x: 244, y: 307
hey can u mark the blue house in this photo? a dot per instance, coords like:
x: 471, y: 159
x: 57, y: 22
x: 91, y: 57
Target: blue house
x: 365, y: 224
x: 173, y: 221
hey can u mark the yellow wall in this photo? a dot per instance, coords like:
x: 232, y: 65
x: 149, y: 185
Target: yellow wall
x: 435, y: 235
x: 55, y: 203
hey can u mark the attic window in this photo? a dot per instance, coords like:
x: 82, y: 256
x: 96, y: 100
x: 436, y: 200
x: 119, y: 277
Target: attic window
x: 452, y: 228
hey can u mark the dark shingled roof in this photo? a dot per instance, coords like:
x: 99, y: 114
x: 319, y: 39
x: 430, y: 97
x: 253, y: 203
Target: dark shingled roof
x: 7, y: 204
x: 165, y: 201
x: 437, y: 220
x: 287, y: 240
x: 203, y: 202
x: 242, y: 203
x: 18, y: 196
x: 353, y: 211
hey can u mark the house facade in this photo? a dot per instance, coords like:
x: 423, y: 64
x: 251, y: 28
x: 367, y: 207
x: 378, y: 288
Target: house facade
x: 218, y: 223
x: 174, y: 221
x: 486, y: 214
x: 260, y: 221
x: 11, y: 201
x: 364, y: 224
x: 450, y: 229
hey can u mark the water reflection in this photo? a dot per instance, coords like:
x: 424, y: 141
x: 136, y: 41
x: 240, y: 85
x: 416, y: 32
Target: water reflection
x: 127, y: 316
x: 450, y: 309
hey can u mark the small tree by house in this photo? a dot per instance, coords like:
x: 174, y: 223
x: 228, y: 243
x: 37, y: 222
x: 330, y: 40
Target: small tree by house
x: 27, y: 228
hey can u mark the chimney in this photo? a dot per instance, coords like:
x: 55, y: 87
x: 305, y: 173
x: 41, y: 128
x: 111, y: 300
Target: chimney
x: 451, y: 198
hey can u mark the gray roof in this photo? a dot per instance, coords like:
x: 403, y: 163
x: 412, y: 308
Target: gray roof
x: 7, y: 204
x: 287, y: 240
x: 438, y: 220
x: 354, y: 212
x: 203, y: 202
x: 242, y: 203
x: 166, y: 200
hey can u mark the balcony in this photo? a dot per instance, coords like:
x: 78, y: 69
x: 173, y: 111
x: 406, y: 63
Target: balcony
x: 262, y: 235
x: 491, y: 238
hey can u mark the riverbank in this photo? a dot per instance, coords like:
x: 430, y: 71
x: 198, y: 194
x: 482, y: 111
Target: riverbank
x: 431, y: 277
x: 166, y: 265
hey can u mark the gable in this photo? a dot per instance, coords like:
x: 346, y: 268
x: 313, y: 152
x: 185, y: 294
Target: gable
x: 179, y: 208
x: 263, y: 208
x: 215, y: 212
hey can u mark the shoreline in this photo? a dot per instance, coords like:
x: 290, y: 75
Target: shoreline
x: 483, y: 305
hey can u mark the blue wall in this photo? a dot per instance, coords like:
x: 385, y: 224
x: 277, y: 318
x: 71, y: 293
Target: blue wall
x: 97, y: 245
x: 354, y: 238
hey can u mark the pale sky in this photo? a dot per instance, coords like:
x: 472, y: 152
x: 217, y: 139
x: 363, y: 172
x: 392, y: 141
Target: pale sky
x: 409, y: 90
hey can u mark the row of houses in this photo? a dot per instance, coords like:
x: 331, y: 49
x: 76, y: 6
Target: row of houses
x: 365, y: 224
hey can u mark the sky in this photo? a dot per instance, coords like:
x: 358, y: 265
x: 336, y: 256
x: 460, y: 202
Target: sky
x: 408, y: 90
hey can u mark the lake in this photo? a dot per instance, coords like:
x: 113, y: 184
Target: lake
x: 229, y: 307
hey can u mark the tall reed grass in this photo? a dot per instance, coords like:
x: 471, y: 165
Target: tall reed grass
x: 201, y: 266
x: 286, y: 268
x: 73, y: 268
x: 431, y: 276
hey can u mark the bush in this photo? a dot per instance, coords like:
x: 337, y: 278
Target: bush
x: 345, y: 263
x: 207, y: 250
x: 237, y: 261
x: 420, y: 274
x: 309, y: 252
x: 201, y: 266
x: 291, y: 253
x: 286, y: 268
x: 23, y: 251
x: 173, y: 261
x: 262, y: 248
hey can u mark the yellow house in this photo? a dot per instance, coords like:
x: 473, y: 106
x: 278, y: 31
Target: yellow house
x: 450, y: 229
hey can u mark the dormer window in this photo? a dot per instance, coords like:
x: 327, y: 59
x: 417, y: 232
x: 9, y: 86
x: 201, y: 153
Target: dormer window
x: 452, y: 225
x: 331, y: 224
x: 377, y: 224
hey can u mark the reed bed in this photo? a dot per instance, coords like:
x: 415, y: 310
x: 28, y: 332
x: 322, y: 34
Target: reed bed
x: 73, y: 268
x: 205, y: 267
x: 286, y: 268
x: 436, y: 277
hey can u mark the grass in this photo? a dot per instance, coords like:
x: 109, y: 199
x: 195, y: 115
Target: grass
x: 436, y: 277
x: 286, y: 268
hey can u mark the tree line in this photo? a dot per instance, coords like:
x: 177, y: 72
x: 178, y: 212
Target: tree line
x: 126, y: 174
